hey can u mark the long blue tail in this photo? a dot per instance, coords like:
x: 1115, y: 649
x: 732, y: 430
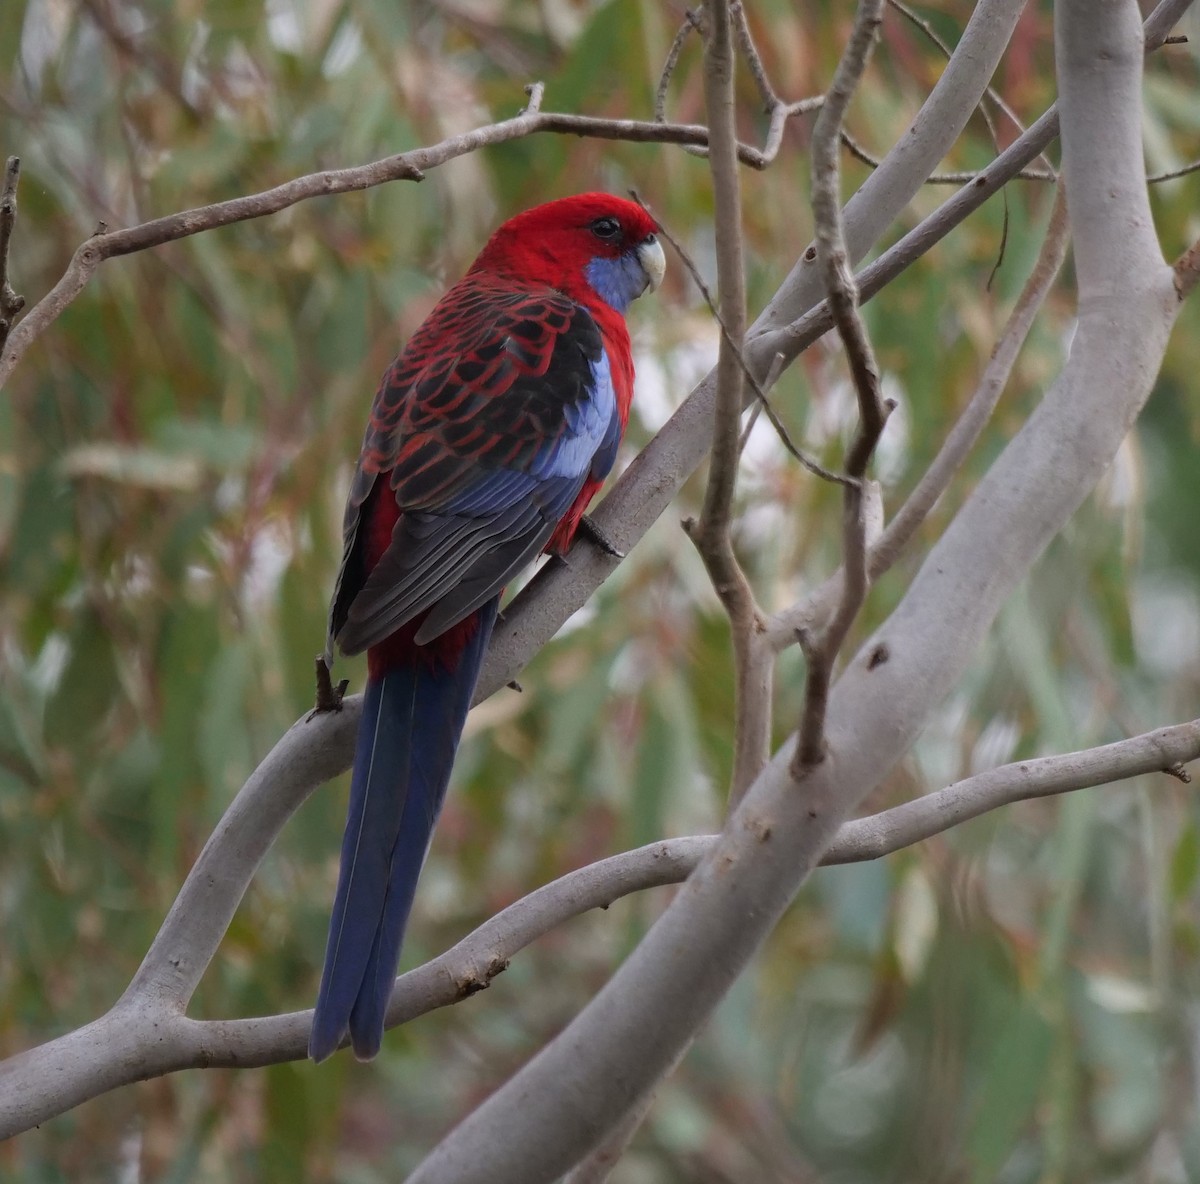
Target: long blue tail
x: 411, y: 723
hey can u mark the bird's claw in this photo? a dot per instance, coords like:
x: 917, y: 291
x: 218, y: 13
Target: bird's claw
x: 588, y: 526
x: 329, y: 697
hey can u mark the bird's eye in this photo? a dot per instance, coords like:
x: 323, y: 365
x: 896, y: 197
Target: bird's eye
x: 606, y: 228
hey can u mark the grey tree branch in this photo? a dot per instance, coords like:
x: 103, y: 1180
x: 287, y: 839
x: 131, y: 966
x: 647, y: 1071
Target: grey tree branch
x: 407, y: 166
x: 147, y: 1034
x: 712, y: 533
x: 991, y: 95
x: 821, y: 649
x: 962, y: 178
x: 597, y: 1068
x: 1160, y: 751
x: 812, y: 613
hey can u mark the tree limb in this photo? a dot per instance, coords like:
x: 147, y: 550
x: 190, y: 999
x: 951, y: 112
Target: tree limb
x: 811, y: 613
x: 712, y: 534
x: 821, y: 649
x: 146, y: 1034
x: 406, y: 166
x: 618, y: 1046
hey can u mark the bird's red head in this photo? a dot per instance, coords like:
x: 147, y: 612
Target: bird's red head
x: 592, y: 245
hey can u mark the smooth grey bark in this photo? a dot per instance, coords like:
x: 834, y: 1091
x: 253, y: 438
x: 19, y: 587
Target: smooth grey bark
x: 564, y: 1101
x: 146, y: 1033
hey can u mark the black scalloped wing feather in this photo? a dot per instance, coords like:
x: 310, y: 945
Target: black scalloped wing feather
x: 482, y: 427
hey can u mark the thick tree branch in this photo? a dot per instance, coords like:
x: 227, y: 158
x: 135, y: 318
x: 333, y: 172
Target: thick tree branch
x: 812, y: 613
x: 597, y: 1068
x: 146, y: 1034
x: 991, y: 95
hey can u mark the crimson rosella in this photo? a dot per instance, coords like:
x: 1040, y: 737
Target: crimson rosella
x: 488, y: 437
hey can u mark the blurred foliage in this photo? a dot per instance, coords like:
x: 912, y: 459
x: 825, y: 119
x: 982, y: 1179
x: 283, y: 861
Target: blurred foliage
x: 1013, y: 1001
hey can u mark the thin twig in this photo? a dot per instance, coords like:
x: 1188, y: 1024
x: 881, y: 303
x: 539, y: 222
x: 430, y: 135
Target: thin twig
x: 821, y: 650
x: 985, y: 114
x: 963, y: 178
x: 778, y: 111
x: 691, y: 23
x: 10, y: 302
x: 759, y: 388
x: 407, y: 166
x: 982, y: 403
x: 741, y: 28
x: 1172, y: 174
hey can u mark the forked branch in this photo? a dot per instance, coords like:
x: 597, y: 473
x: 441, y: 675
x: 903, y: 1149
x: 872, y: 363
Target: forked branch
x: 821, y: 650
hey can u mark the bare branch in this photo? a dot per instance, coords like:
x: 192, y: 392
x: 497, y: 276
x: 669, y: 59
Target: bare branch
x: 407, y: 166
x: 990, y: 94
x: 978, y: 412
x: 691, y: 23
x: 778, y: 111
x: 1173, y: 174
x: 311, y: 752
x: 712, y: 534
x: 670, y: 984
x: 1164, y: 750
x: 146, y: 1034
x: 860, y: 153
x: 759, y: 388
x: 814, y: 611
x: 821, y: 651
x: 10, y: 302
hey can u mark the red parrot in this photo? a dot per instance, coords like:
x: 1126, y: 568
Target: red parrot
x: 489, y: 435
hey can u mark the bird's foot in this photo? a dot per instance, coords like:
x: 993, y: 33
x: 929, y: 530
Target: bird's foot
x: 588, y: 526
x: 329, y: 697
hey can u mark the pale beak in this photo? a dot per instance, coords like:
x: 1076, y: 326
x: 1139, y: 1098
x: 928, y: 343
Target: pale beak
x: 654, y: 262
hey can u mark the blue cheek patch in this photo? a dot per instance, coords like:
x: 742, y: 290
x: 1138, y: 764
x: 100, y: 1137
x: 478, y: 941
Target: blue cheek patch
x: 618, y: 282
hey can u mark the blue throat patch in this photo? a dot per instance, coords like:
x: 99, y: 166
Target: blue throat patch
x: 618, y: 282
